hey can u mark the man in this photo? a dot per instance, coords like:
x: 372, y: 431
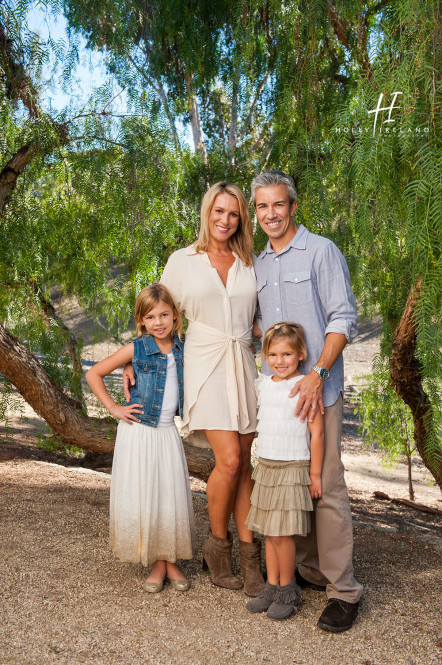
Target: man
x: 304, y: 278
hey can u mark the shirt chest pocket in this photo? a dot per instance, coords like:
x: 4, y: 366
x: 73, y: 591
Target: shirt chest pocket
x: 264, y: 295
x: 146, y: 378
x: 298, y: 287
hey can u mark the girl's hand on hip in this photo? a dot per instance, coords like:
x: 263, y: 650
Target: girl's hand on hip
x: 127, y: 413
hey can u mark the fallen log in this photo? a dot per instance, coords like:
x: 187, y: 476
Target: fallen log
x: 406, y: 502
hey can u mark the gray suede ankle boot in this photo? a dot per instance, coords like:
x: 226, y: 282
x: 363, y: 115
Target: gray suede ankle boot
x: 263, y: 600
x: 287, y: 601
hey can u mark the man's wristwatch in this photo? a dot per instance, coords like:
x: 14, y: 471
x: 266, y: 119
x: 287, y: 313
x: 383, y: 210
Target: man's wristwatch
x: 321, y: 372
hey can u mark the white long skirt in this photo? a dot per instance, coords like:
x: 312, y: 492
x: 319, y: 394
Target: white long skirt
x: 151, y: 513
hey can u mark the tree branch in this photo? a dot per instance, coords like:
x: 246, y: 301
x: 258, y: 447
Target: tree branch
x: 99, y: 138
x: 71, y: 341
x: 11, y: 172
x: 374, y: 9
x: 19, y: 86
x: 342, y: 32
x: 248, y: 120
x: 94, y: 114
x: 233, y: 119
x: 339, y: 26
x: 157, y: 86
x: 17, y: 82
x: 258, y: 141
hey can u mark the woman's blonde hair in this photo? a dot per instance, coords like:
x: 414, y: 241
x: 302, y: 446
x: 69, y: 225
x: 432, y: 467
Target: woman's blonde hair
x: 147, y: 299
x: 242, y: 240
x: 293, y: 332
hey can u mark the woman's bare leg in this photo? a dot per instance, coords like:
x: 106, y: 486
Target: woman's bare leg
x: 223, y: 481
x: 241, y: 506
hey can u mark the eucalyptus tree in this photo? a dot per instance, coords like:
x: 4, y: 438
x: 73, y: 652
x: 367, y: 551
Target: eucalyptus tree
x: 209, y: 63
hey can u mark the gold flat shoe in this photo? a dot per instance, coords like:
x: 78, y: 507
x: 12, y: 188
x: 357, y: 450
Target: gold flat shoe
x: 180, y: 585
x: 153, y: 587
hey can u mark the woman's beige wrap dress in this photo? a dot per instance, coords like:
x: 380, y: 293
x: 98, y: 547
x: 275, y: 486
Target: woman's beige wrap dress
x: 219, y: 366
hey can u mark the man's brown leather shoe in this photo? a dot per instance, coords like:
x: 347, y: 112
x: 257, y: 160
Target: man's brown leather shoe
x: 338, y: 615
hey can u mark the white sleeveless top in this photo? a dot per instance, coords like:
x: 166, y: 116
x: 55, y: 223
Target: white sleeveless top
x: 281, y: 436
x: 170, y: 397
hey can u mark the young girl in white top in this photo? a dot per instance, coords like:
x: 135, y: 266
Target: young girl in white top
x: 151, y: 514
x: 288, y: 474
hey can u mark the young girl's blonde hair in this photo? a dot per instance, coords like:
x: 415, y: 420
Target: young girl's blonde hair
x: 147, y: 299
x: 293, y: 332
x: 242, y: 240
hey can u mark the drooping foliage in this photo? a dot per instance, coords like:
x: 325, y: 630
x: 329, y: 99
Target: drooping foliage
x: 378, y: 403
x: 94, y: 211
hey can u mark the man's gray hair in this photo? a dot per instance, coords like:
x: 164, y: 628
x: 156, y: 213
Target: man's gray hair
x: 269, y: 178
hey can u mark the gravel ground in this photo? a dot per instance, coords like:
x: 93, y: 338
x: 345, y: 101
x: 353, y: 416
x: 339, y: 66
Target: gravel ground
x: 66, y: 599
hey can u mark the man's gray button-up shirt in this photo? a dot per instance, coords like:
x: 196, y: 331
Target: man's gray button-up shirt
x: 308, y: 282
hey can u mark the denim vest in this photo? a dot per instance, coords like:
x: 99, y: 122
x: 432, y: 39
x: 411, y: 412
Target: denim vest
x: 150, y: 369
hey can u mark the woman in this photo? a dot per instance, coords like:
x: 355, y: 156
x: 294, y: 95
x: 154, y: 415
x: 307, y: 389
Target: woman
x: 213, y: 282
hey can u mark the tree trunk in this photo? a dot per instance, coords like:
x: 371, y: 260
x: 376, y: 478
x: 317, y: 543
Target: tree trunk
x: 234, y: 120
x: 63, y: 414
x: 195, y: 120
x: 11, y: 171
x: 410, y: 475
x: 406, y: 380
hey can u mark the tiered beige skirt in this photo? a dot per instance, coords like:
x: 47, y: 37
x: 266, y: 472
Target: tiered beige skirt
x: 280, y: 501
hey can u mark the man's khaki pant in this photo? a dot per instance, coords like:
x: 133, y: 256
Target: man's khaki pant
x: 325, y: 556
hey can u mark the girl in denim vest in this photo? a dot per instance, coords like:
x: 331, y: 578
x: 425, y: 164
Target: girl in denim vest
x: 151, y: 514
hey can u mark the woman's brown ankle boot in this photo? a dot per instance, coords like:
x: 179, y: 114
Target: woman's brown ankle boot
x: 250, y: 560
x: 217, y: 557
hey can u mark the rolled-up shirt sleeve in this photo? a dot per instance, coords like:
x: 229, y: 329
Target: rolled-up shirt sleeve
x: 337, y: 298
